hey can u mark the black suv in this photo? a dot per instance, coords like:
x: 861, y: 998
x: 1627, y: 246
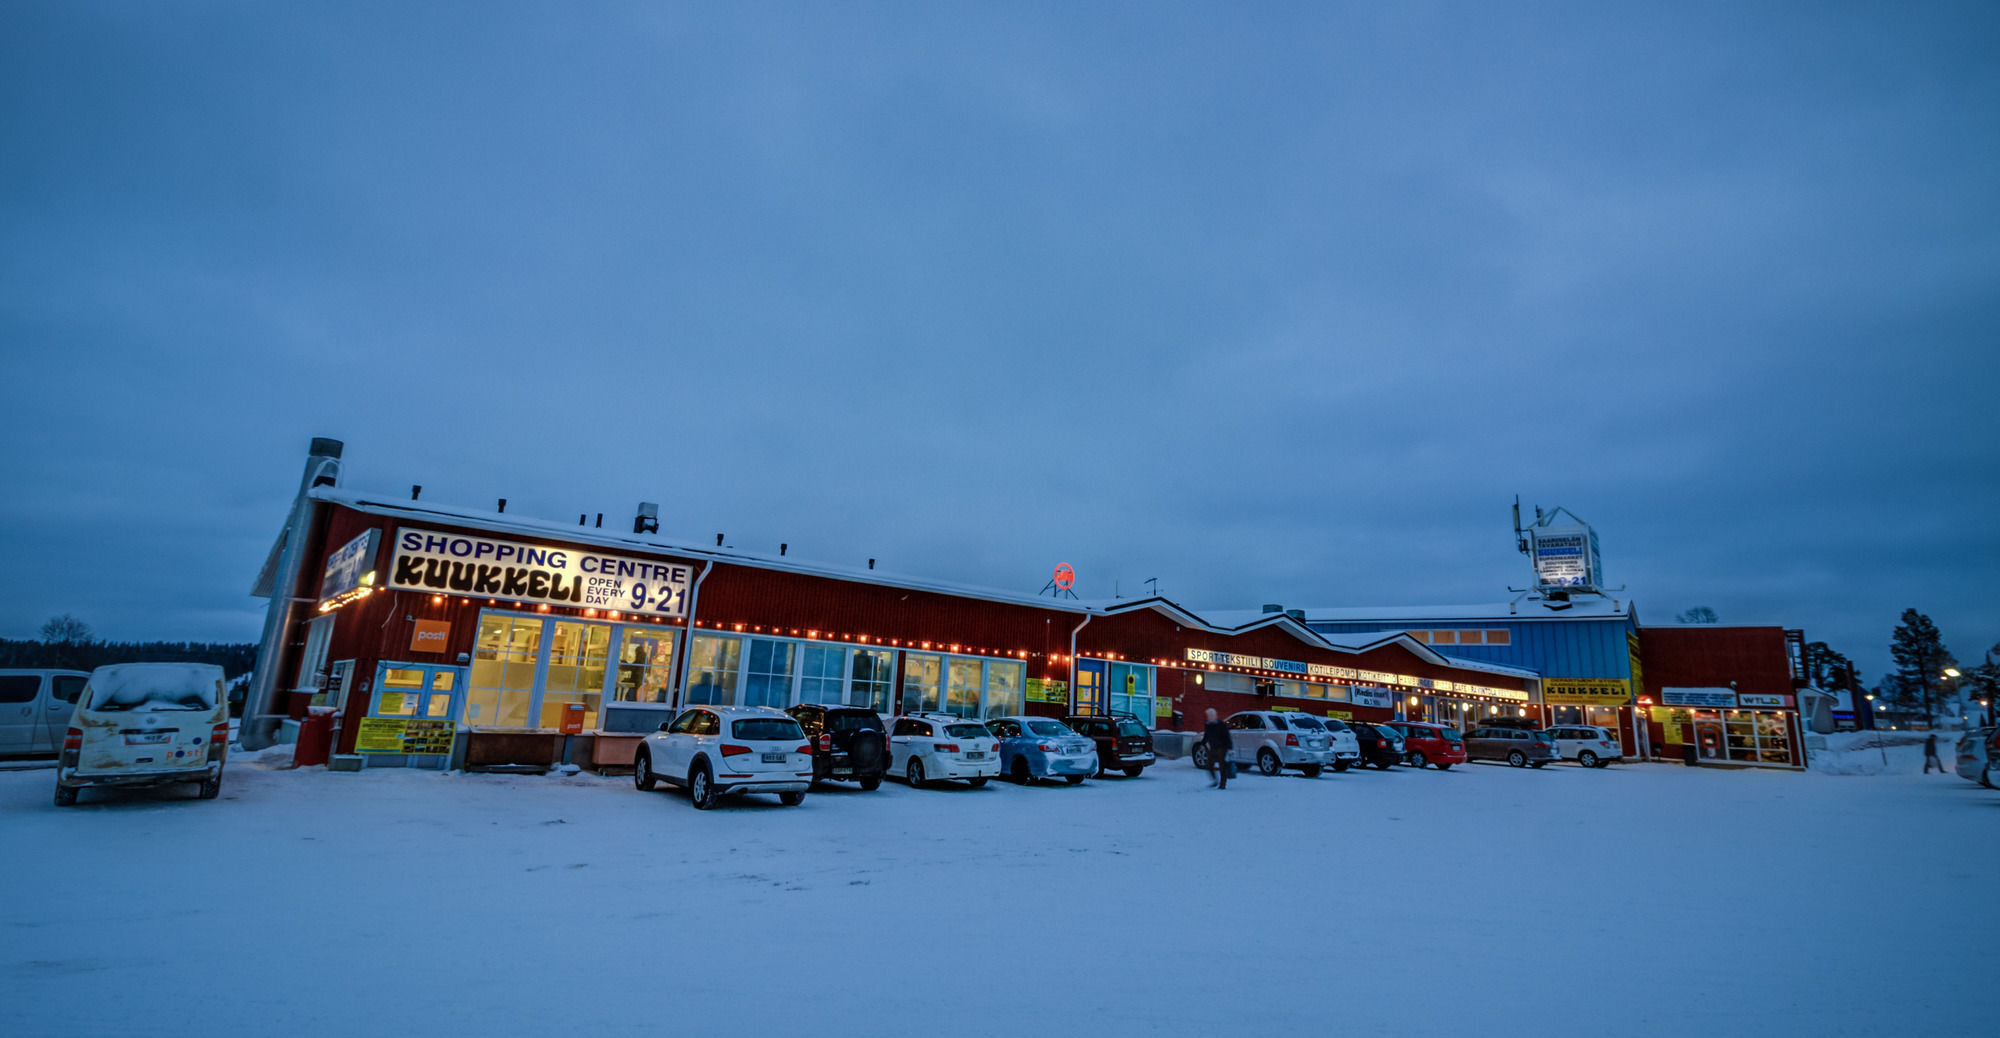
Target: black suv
x: 848, y: 742
x: 1378, y: 745
x: 1123, y: 744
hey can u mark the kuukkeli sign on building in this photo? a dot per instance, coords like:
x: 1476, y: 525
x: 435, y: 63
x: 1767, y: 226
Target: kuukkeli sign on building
x: 486, y: 567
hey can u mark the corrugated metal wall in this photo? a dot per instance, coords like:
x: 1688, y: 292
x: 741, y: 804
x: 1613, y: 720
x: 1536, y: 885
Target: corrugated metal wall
x: 1552, y: 648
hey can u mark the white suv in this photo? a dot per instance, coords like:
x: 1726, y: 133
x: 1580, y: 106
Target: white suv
x: 1266, y: 739
x: 713, y: 750
x: 924, y: 747
x: 1586, y: 745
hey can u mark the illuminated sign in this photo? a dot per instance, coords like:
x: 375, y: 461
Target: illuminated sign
x: 430, y: 636
x: 1586, y: 691
x: 1350, y: 675
x: 1565, y: 556
x: 1758, y: 699
x: 1064, y: 577
x: 350, y: 571
x: 1705, y: 697
x: 1368, y: 695
x: 484, y: 567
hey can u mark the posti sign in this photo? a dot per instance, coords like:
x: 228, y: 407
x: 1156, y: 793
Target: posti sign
x: 487, y: 567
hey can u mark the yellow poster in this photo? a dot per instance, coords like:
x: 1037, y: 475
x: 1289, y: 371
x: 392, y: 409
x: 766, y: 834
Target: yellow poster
x: 1345, y: 715
x: 1163, y: 706
x: 397, y: 735
x: 1586, y: 691
x: 392, y: 702
x: 1671, y: 720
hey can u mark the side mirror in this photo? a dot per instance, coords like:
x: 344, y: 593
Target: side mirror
x: 664, y: 725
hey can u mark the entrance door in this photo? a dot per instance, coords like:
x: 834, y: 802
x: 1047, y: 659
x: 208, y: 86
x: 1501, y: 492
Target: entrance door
x: 1090, y: 687
x: 1708, y: 739
x: 416, y: 691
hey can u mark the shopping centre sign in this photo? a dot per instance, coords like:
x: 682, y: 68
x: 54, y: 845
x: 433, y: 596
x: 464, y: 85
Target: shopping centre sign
x: 486, y: 567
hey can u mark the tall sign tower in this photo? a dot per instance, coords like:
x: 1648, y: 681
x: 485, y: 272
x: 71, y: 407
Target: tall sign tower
x: 1564, y: 556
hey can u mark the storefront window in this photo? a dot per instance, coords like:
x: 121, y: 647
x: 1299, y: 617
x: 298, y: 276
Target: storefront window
x: 713, y: 661
x: 1004, y: 684
x: 577, y: 656
x: 1774, y: 740
x: 402, y: 692
x: 822, y: 674
x: 874, y: 677
x: 506, y: 654
x: 1132, y: 691
x: 440, y: 695
x: 920, y: 683
x: 767, y: 681
x: 965, y: 680
x: 645, y: 665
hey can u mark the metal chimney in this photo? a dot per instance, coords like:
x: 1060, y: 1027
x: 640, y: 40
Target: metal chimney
x: 322, y: 469
x: 648, y: 518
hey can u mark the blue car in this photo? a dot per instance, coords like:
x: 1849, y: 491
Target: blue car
x: 1040, y: 747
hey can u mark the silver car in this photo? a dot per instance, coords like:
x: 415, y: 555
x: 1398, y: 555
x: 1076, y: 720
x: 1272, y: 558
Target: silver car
x: 1971, y: 761
x: 1275, y: 740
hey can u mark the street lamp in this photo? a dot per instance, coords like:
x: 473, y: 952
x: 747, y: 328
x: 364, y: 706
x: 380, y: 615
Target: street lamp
x: 1878, y: 739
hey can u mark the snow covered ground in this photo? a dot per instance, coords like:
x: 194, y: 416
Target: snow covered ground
x: 1642, y: 899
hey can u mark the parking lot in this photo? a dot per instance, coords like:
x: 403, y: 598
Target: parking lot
x: 1479, y: 900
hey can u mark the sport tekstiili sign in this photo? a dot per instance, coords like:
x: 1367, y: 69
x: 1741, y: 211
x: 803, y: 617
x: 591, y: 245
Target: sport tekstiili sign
x: 485, y: 567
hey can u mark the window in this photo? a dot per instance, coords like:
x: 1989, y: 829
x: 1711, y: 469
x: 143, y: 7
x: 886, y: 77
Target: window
x: 1004, y: 684
x: 1052, y: 729
x: 767, y: 729
x: 1315, y: 690
x: 920, y: 682
x: 822, y: 674
x: 313, y: 660
x: 1247, y: 722
x: 767, y: 680
x: 911, y: 726
x: 1008, y: 729
x: 19, y: 688
x: 402, y: 688
x: 1294, y: 689
x: 1499, y: 637
x: 68, y: 687
x: 873, y: 683
x: 1229, y: 683
x: 1446, y: 637
x: 1305, y: 723
x: 645, y: 665
x: 967, y: 731
x: 578, y: 653
x: 964, y: 680
x: 505, y: 655
x: 684, y: 724
x: 713, y: 662
x: 705, y: 723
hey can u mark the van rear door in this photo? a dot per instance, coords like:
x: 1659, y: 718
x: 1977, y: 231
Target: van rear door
x: 149, y: 717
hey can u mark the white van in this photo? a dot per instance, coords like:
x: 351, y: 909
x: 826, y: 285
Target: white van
x: 146, y: 724
x: 34, y: 708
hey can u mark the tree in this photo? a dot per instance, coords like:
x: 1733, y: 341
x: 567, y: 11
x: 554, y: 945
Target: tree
x: 1697, y: 615
x: 1828, y: 668
x: 1921, y: 658
x: 1984, y: 680
x: 66, y: 630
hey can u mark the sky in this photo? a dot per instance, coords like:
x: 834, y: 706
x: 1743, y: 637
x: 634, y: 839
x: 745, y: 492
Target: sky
x: 1273, y: 303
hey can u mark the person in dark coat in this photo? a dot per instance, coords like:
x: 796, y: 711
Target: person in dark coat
x: 1215, y: 735
x: 1930, y: 754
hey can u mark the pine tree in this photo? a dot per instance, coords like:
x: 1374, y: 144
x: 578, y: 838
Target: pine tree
x: 1697, y: 615
x: 1921, y: 658
x: 1829, y: 668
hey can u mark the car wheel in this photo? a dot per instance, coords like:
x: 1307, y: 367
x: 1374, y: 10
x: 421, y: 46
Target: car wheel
x: 871, y: 783
x: 65, y: 795
x: 210, y: 788
x: 914, y: 774
x: 1587, y: 759
x: 1268, y: 762
x: 1201, y: 756
x: 791, y: 799
x: 976, y: 783
x: 701, y: 788
x: 1311, y: 770
x: 642, y: 773
x: 1019, y: 772
x: 1342, y: 765
x: 1134, y: 772
x: 1074, y: 780
x: 1517, y: 758
x: 1418, y: 760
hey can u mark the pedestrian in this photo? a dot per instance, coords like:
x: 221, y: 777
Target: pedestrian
x: 1215, y: 736
x: 1930, y: 754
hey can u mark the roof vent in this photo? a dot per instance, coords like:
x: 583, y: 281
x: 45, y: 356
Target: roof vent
x: 416, y: 491
x: 1273, y: 607
x: 871, y: 563
x: 648, y: 518
x: 503, y: 504
x: 782, y: 548
x: 1296, y: 614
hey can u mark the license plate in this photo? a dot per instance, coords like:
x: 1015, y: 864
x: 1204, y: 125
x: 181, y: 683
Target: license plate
x: 147, y: 739
x: 976, y: 755
x: 775, y: 758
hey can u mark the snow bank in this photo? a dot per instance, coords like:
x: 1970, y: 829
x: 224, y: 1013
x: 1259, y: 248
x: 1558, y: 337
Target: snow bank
x: 1879, y: 753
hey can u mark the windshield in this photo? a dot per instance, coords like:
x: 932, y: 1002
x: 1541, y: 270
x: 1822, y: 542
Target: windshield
x: 967, y: 731
x: 1335, y: 724
x: 156, y: 686
x: 1053, y: 729
x: 1548, y: 737
x: 1307, y: 724
x: 847, y: 722
x: 1132, y: 728
x: 1450, y: 735
x: 768, y: 729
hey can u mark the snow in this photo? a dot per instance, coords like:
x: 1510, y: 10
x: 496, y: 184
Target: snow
x: 1669, y: 900
x: 1881, y: 752
x: 169, y: 686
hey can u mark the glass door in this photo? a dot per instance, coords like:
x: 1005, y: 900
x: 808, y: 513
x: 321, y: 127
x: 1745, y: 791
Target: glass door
x: 415, y: 691
x: 1090, y: 687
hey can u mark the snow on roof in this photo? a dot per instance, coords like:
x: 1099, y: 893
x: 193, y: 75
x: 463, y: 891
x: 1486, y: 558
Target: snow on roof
x: 166, y: 686
x: 1580, y: 607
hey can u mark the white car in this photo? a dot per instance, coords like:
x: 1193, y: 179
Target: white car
x: 927, y: 747
x: 146, y: 724
x: 1346, y: 745
x: 1589, y: 746
x: 714, y: 750
x: 1275, y: 740
x: 1971, y: 762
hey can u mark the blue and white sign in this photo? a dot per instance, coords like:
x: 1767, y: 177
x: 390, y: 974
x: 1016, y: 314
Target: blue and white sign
x: 1371, y: 695
x: 1710, y: 698
x: 350, y: 568
x: 485, y: 567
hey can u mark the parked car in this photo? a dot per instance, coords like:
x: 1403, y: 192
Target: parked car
x: 926, y: 747
x: 1433, y: 744
x: 848, y: 742
x: 1041, y: 747
x: 35, y: 707
x: 1587, y: 745
x: 146, y: 724
x: 1380, y: 745
x: 1275, y: 740
x: 1346, y: 745
x: 713, y: 751
x: 1971, y: 762
x: 1123, y: 744
x: 1517, y: 746
x: 1987, y: 772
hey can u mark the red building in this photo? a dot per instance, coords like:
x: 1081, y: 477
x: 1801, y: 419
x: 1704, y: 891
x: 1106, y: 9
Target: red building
x: 1722, y: 695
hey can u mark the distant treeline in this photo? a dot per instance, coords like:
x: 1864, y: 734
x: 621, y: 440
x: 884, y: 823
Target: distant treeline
x: 234, y: 659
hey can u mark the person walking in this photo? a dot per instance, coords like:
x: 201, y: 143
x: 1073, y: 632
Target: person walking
x: 1215, y: 736
x: 1930, y: 754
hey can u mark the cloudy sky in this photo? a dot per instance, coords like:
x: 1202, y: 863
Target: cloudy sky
x: 1275, y: 303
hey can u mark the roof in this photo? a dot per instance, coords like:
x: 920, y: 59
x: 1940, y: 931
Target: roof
x: 1581, y: 607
